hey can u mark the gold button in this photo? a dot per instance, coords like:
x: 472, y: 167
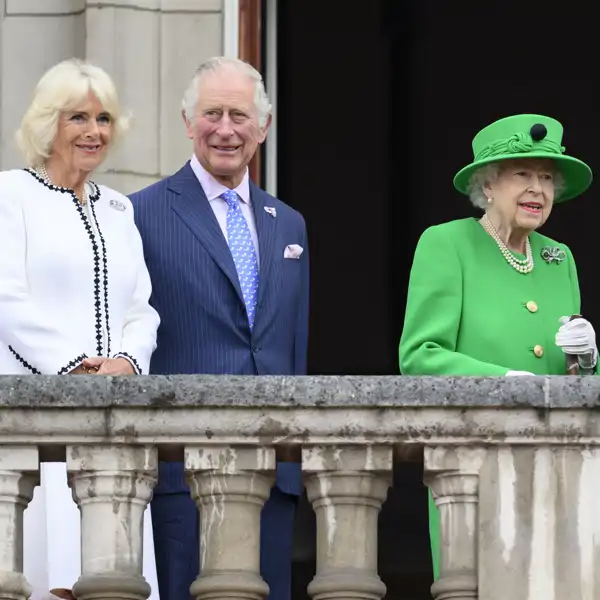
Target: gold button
x: 538, y: 351
x: 532, y: 306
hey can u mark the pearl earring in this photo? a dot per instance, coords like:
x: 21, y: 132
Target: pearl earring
x: 489, y: 200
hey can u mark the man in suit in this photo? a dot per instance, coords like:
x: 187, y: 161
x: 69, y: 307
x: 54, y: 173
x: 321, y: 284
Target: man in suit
x: 229, y: 270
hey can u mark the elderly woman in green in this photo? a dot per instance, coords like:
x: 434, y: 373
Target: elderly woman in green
x: 492, y: 296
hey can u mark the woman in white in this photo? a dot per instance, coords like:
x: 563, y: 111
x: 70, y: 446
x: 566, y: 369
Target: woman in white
x: 74, y: 287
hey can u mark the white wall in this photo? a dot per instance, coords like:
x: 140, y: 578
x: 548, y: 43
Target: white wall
x: 150, y: 48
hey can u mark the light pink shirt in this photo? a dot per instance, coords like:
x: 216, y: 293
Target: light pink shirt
x: 213, y: 189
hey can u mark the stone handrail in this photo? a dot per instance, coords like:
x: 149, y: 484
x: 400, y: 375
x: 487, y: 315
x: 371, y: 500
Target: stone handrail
x: 396, y: 410
x: 513, y: 465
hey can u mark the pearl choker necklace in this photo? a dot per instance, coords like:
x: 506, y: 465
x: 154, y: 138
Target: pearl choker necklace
x: 522, y: 265
x: 43, y: 173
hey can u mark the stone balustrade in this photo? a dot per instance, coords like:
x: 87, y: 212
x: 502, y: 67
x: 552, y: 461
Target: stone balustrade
x: 513, y: 464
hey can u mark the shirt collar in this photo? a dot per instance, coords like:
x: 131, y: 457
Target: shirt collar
x: 213, y: 189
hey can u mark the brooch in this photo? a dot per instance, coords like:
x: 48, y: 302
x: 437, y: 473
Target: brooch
x: 117, y: 204
x: 553, y: 254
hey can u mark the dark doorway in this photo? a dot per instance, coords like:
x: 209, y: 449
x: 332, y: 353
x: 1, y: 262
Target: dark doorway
x: 378, y: 102
x: 335, y: 104
x: 333, y: 117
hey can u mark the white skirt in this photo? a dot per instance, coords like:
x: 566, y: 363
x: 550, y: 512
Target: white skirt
x: 51, y: 537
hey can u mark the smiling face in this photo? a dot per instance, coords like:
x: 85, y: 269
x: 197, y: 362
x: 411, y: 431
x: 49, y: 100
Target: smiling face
x: 523, y: 194
x: 83, y: 137
x: 225, y: 128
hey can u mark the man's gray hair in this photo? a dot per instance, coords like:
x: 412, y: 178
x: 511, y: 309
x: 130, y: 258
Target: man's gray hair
x: 219, y: 64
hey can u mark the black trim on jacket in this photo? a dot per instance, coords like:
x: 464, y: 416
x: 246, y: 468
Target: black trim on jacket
x: 99, y: 258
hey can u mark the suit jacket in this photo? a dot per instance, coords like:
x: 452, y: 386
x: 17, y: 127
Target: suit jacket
x: 204, y: 327
x: 470, y: 313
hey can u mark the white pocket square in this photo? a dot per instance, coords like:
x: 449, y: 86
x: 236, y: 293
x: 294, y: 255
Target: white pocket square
x: 293, y: 251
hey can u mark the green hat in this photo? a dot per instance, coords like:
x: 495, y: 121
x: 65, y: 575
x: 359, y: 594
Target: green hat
x: 526, y: 136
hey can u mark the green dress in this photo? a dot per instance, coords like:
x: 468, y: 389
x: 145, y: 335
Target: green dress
x: 469, y: 313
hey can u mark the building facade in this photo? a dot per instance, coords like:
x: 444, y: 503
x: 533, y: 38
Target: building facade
x: 150, y: 48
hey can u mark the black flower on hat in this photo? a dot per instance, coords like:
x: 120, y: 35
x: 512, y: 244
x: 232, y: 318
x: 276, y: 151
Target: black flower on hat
x: 538, y: 132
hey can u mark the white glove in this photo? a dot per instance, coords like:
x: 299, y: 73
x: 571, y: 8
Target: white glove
x: 578, y: 337
x: 513, y: 373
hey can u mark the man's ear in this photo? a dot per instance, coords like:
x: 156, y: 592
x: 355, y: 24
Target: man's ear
x: 188, y: 125
x: 263, y: 134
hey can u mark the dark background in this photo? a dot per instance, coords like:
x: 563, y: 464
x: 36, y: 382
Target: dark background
x: 378, y: 102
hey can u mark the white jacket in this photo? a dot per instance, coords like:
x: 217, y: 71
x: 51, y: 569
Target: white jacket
x: 73, y: 281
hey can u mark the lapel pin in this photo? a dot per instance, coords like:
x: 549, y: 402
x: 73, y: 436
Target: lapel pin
x: 117, y: 204
x: 271, y: 210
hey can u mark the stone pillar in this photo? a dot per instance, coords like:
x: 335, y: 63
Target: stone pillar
x: 452, y: 474
x: 230, y: 486
x: 16, y: 491
x: 346, y: 486
x: 112, y: 486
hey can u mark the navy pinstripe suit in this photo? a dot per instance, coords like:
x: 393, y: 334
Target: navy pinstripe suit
x: 204, y: 329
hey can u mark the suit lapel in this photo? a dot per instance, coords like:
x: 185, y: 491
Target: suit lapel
x: 193, y: 207
x: 266, y: 225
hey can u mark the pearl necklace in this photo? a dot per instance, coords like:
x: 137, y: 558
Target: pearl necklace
x: 522, y: 265
x: 43, y: 173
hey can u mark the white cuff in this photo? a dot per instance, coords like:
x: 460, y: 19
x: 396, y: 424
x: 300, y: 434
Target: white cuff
x: 130, y: 360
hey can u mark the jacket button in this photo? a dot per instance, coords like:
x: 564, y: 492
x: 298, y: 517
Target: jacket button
x: 538, y: 351
x: 532, y: 306
x: 254, y: 349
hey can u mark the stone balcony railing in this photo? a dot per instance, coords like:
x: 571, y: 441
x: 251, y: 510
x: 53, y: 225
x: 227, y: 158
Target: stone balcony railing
x: 514, y: 465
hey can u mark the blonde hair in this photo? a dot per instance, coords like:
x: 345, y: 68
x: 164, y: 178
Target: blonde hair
x: 61, y: 88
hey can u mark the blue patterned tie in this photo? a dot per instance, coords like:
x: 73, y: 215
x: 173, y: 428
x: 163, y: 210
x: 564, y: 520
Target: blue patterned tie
x: 242, y: 251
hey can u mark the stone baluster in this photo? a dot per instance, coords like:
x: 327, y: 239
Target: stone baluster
x: 347, y: 486
x: 19, y: 474
x: 452, y: 474
x: 230, y: 486
x: 112, y: 486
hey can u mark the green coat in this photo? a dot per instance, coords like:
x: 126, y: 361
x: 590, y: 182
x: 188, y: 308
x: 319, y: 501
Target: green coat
x: 470, y: 313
